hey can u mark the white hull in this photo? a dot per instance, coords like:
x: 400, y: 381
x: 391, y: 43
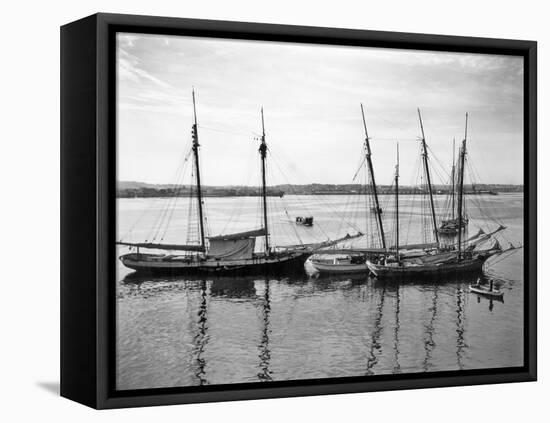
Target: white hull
x: 338, y: 266
x: 486, y: 292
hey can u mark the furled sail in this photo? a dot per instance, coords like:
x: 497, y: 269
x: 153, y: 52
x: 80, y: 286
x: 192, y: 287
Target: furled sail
x: 235, y: 246
x: 152, y: 245
x: 423, y: 246
x: 235, y: 249
x: 239, y: 235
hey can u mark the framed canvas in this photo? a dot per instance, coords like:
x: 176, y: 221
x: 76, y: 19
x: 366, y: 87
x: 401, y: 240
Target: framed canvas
x: 257, y: 211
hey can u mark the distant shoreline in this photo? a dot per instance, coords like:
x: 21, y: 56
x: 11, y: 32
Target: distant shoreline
x: 143, y: 190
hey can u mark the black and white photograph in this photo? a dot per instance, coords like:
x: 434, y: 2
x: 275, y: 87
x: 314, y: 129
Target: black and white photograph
x: 290, y: 211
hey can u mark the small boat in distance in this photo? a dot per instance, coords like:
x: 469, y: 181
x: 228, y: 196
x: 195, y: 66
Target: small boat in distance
x: 304, y: 220
x: 450, y: 226
x: 225, y: 253
x: 487, y: 291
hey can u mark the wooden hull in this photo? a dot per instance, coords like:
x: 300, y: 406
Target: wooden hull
x: 485, y: 292
x: 160, y: 264
x: 426, y: 270
x: 340, y: 268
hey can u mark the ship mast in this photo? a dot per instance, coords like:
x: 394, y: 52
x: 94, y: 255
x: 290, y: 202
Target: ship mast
x: 397, y: 206
x: 378, y: 210
x: 453, y: 184
x: 195, y: 135
x: 263, y: 153
x: 461, y: 187
x: 428, y: 178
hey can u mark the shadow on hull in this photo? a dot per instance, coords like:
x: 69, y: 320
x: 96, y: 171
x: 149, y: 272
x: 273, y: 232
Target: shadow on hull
x: 469, y: 271
x: 293, y: 266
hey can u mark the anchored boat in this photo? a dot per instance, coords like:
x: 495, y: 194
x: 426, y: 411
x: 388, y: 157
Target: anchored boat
x: 450, y: 225
x: 460, y: 257
x: 355, y: 260
x: 487, y: 291
x: 304, y: 220
x: 225, y: 253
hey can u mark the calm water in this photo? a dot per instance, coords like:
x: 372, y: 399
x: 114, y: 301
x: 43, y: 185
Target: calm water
x: 182, y: 332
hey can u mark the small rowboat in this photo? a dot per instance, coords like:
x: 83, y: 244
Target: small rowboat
x: 486, y: 291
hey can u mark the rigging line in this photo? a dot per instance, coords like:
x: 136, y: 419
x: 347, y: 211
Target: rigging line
x: 392, y: 139
x: 442, y: 178
x: 485, y: 212
x: 297, y: 196
x: 317, y: 197
x: 190, y: 213
x: 413, y: 200
x: 175, y: 186
x: 489, y: 213
x: 236, y: 211
x: 153, y: 204
x: 433, y: 156
x: 360, y: 167
x: 393, y: 124
x: 204, y: 203
x: 293, y: 226
x: 176, y: 197
x: 223, y: 131
x: 347, y: 206
x: 505, y: 255
x: 158, y: 222
x: 171, y: 204
x: 281, y: 204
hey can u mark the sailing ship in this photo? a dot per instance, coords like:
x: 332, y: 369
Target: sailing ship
x: 464, y: 256
x: 225, y: 253
x: 450, y: 226
x: 348, y: 260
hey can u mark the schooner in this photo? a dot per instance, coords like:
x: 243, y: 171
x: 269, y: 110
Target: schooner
x: 355, y: 260
x: 450, y: 225
x: 461, y: 257
x: 224, y: 253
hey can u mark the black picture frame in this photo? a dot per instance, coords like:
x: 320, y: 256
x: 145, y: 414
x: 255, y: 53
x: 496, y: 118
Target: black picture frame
x: 88, y: 209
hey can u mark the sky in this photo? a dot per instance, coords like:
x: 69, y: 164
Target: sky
x: 311, y: 95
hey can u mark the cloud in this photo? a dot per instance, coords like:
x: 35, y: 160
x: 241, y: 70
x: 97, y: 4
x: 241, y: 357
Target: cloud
x: 311, y: 95
x: 129, y: 68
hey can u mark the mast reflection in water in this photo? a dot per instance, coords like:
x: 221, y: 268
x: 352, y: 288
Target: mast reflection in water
x: 183, y: 332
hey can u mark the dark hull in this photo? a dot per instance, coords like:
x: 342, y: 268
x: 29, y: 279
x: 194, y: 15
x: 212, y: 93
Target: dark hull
x: 469, y: 266
x: 293, y: 264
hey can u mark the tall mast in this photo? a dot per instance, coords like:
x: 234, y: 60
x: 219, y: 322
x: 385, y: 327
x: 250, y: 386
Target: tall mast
x: 397, y: 206
x: 461, y: 187
x: 378, y: 210
x: 195, y: 135
x: 263, y: 153
x: 428, y: 178
x: 453, y: 183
